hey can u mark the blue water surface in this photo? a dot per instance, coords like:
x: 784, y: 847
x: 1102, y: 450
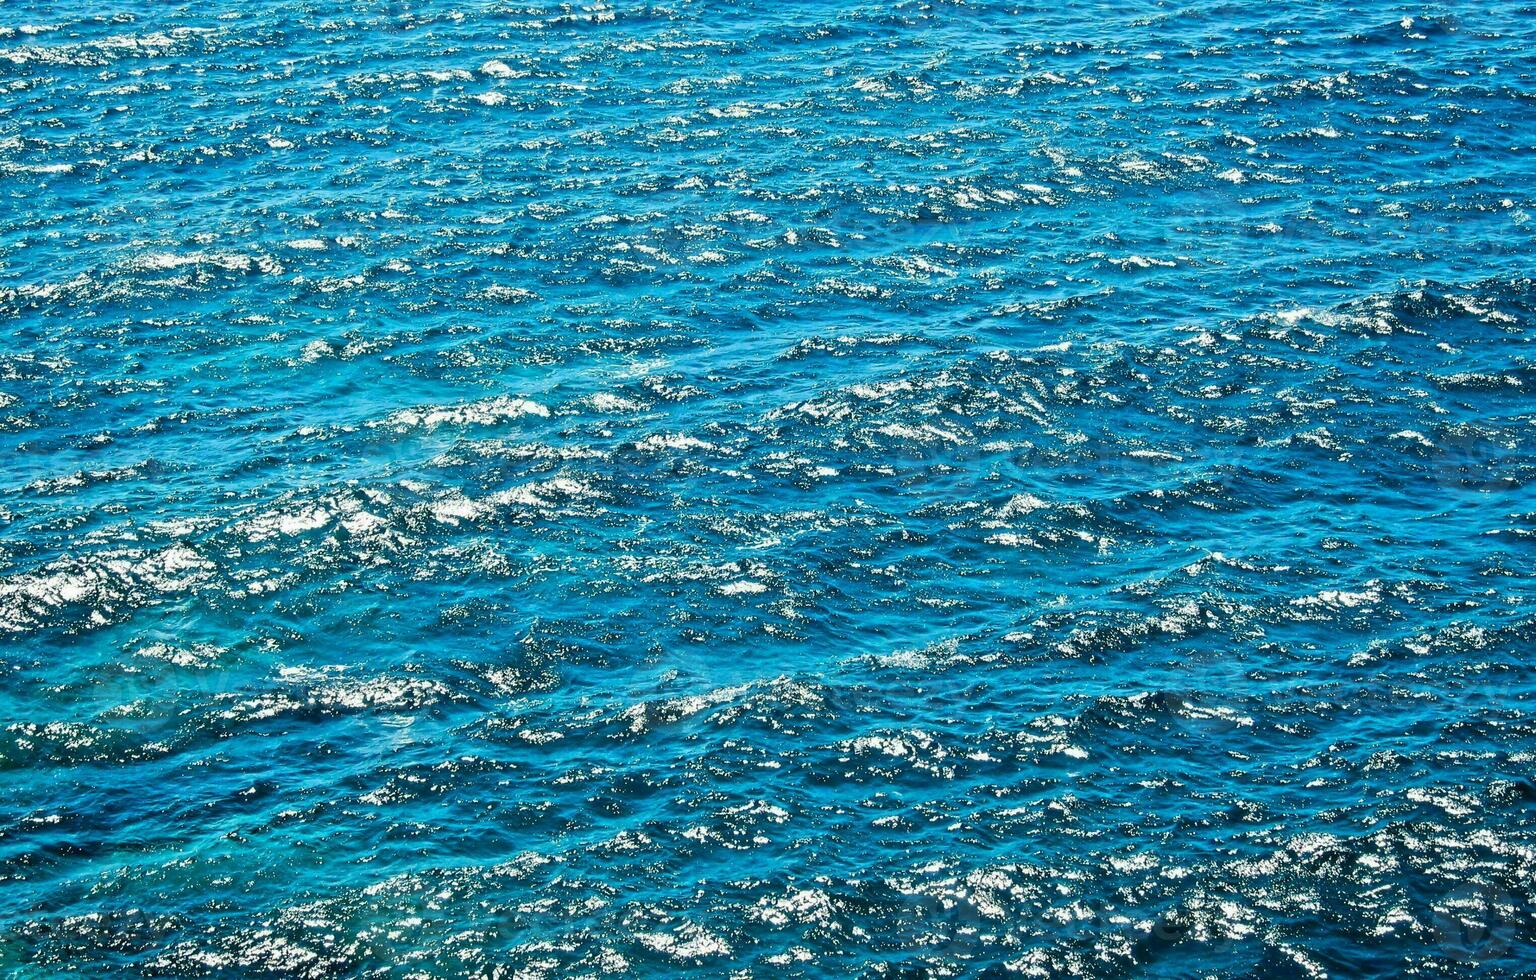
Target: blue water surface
x: 743, y: 489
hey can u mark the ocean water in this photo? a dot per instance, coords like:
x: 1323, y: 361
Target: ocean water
x: 803, y: 489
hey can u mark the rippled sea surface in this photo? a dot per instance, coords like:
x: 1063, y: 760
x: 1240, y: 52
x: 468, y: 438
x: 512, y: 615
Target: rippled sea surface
x: 804, y: 489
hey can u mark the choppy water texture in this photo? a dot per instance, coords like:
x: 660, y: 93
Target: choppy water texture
x: 767, y: 489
